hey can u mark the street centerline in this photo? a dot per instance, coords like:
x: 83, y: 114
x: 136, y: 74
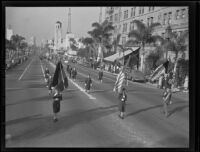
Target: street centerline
x: 25, y: 70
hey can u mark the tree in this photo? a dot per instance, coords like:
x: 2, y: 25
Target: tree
x: 88, y: 42
x: 101, y: 35
x: 143, y: 35
x: 73, y: 44
x: 176, y: 44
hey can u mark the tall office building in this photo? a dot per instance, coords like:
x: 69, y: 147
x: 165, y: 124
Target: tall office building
x: 9, y: 33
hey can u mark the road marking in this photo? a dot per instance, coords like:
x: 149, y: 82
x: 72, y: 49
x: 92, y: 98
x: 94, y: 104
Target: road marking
x: 25, y: 70
x: 42, y: 68
x: 79, y: 87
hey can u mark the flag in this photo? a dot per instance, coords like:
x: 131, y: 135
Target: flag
x: 120, y: 78
x: 60, y: 80
x: 161, y: 69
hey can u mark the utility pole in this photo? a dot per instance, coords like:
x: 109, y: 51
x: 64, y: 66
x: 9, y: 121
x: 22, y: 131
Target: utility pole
x: 69, y: 21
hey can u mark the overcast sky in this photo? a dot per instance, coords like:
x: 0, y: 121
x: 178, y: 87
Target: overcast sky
x: 39, y: 21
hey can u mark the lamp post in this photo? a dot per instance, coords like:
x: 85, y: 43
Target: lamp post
x: 168, y: 32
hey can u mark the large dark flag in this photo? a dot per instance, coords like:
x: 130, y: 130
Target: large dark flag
x: 60, y: 80
x: 161, y: 69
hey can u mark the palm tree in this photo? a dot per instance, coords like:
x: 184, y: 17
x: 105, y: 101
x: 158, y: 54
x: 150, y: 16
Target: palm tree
x: 101, y: 35
x: 177, y: 44
x: 143, y: 35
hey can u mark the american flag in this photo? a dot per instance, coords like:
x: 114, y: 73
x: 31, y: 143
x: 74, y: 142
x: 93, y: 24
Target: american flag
x: 161, y: 69
x: 120, y: 78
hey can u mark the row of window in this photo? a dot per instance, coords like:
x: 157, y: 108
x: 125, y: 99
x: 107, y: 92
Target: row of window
x: 167, y: 17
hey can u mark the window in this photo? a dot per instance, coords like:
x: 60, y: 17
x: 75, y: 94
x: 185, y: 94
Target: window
x: 183, y: 13
x: 132, y: 11
x: 159, y: 16
x: 177, y: 16
x: 149, y: 9
x: 141, y: 20
x: 165, y: 19
x: 131, y: 26
x: 151, y: 20
x: 125, y: 27
x: 123, y: 40
x: 125, y: 14
x: 148, y: 21
x: 142, y: 10
x: 111, y: 18
x: 116, y: 17
x: 152, y: 8
x: 120, y: 14
x: 170, y: 17
x: 139, y: 10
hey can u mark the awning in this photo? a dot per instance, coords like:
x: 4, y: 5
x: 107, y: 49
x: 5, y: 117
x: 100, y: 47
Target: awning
x: 115, y: 56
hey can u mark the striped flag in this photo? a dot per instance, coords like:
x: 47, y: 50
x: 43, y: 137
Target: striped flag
x: 120, y: 78
x: 60, y: 80
x: 161, y: 69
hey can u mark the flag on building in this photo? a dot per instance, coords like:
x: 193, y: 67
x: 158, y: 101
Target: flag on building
x: 120, y: 78
x: 161, y: 69
x: 60, y: 80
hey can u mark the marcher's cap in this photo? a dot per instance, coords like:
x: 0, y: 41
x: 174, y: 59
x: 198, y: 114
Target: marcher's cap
x: 123, y: 89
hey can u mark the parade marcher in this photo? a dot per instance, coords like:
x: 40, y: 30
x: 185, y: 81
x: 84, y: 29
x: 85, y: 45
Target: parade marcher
x: 46, y: 74
x: 74, y: 73
x: 50, y: 79
x: 56, y: 104
x: 101, y: 75
x: 88, y: 83
x: 123, y: 98
x: 70, y: 72
x: 167, y: 93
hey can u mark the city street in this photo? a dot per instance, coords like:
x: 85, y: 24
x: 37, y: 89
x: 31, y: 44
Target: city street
x: 90, y: 119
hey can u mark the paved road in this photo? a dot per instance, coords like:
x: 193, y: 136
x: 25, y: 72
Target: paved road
x: 89, y: 120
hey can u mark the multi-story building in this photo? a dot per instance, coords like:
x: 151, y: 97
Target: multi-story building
x: 123, y: 17
x: 58, y: 35
x: 32, y: 41
x: 9, y: 33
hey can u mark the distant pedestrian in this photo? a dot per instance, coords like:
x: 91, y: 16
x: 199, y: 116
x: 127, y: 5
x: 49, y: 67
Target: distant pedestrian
x: 56, y: 104
x: 88, y: 83
x: 101, y: 75
x: 50, y: 79
x: 74, y: 73
x: 126, y: 78
x: 122, y: 98
x: 70, y: 72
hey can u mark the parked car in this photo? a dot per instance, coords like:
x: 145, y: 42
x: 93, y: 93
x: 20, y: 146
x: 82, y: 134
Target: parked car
x: 136, y: 76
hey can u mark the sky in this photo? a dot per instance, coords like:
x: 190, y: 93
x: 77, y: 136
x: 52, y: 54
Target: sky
x: 40, y: 21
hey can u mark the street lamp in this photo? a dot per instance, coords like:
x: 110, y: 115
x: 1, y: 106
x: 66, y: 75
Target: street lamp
x: 168, y: 32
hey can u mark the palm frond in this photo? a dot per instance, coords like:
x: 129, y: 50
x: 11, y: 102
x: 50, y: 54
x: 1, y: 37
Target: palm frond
x: 155, y: 38
x: 135, y: 34
x: 140, y: 25
x: 96, y: 25
x: 131, y: 42
x: 153, y: 25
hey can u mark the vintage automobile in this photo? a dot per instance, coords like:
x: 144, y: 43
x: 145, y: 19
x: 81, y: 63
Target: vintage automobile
x: 136, y: 76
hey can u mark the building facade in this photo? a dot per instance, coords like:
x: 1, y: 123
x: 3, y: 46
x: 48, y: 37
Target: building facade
x: 122, y: 19
x: 32, y: 41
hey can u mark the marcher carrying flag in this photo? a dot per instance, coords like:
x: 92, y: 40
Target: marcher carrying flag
x: 120, y: 78
x: 60, y: 81
x: 161, y: 69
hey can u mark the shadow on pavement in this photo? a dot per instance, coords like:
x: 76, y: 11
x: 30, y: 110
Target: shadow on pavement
x: 157, y: 106
x: 177, y: 109
x: 40, y: 127
x: 20, y: 120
